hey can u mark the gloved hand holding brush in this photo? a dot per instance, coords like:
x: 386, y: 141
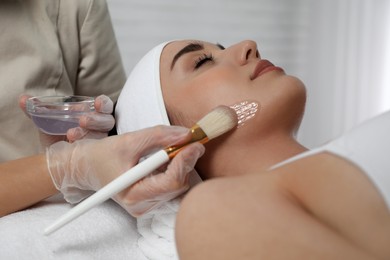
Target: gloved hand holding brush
x: 87, y: 165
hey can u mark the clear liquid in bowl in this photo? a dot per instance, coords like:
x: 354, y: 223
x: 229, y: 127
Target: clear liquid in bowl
x: 55, y: 115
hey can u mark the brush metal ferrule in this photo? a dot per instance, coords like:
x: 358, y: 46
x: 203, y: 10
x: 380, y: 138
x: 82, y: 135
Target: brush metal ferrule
x: 197, y: 135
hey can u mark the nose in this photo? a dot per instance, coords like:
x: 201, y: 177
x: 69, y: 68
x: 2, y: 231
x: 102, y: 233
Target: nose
x: 246, y: 50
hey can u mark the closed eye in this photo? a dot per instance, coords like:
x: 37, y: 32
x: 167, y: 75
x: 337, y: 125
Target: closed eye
x: 202, y: 60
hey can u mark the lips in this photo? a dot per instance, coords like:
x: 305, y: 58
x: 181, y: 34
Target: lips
x: 262, y: 67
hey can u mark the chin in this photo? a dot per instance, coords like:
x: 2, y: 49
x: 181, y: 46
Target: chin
x: 295, y: 101
x: 293, y: 90
x: 283, y: 107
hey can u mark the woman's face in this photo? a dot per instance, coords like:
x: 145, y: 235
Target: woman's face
x: 198, y: 76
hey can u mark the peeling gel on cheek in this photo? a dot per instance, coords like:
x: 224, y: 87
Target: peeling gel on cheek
x: 245, y: 111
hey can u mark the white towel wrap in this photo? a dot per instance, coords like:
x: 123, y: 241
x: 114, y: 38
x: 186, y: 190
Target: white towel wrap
x: 141, y: 104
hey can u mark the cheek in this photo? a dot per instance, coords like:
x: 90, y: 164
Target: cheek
x: 217, y: 87
x: 196, y: 97
x: 185, y: 104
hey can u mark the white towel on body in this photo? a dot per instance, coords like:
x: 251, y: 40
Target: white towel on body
x: 157, y: 232
x: 105, y: 232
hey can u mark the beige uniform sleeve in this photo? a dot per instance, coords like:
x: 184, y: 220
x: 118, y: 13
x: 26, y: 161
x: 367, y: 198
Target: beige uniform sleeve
x: 52, y: 47
x: 100, y: 69
x: 99, y: 66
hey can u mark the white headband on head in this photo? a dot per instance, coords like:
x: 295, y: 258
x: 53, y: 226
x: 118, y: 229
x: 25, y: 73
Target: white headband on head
x: 141, y: 104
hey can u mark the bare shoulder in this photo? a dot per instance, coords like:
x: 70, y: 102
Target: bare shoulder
x: 322, y: 197
x: 327, y: 179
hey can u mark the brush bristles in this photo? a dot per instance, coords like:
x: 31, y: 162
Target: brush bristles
x: 218, y: 121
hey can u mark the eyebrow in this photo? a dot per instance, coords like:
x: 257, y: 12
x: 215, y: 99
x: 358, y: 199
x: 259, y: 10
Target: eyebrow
x: 192, y: 47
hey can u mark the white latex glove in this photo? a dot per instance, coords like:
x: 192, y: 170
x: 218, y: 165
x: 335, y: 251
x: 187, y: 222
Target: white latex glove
x: 87, y: 165
x: 94, y: 125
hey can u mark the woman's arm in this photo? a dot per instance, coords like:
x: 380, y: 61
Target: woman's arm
x: 24, y: 182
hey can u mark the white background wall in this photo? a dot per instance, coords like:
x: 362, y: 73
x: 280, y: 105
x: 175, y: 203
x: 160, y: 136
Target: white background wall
x: 337, y: 47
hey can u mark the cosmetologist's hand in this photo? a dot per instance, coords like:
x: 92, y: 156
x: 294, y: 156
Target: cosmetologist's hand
x: 95, y: 125
x: 92, y: 126
x: 87, y: 165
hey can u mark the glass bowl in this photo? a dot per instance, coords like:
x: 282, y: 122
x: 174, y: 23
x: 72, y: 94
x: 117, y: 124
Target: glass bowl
x: 54, y: 115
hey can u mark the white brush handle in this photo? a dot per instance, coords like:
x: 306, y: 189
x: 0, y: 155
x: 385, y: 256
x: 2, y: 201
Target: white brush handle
x: 123, y: 181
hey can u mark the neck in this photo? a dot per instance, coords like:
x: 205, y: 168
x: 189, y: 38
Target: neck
x: 249, y: 157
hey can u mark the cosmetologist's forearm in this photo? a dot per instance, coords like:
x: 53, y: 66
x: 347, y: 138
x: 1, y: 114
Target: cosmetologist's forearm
x: 24, y: 182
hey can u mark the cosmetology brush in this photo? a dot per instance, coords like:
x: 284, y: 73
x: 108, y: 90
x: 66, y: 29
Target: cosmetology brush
x: 217, y: 122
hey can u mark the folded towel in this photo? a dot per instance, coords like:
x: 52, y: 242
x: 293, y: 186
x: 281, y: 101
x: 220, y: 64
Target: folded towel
x: 104, y: 232
x: 157, y: 241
